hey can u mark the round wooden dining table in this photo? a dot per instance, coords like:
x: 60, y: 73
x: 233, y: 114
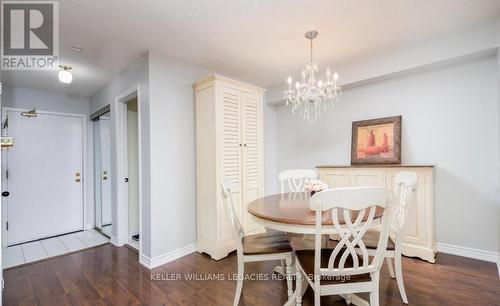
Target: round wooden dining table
x: 290, y: 212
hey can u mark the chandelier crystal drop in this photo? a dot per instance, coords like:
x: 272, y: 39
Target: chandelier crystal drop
x: 311, y: 97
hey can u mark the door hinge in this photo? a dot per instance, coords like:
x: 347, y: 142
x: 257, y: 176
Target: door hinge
x: 7, y: 225
x: 6, y: 174
x: 3, y: 284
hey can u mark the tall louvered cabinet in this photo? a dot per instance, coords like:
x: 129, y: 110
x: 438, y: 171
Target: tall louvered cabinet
x: 229, y: 143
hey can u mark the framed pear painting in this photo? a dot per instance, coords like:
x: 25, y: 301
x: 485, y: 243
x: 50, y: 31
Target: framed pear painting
x: 376, y: 141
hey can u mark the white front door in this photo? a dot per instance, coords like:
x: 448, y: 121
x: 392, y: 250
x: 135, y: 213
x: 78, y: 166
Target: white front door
x: 44, y: 176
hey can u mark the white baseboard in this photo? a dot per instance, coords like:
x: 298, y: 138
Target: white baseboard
x: 145, y: 261
x: 157, y: 261
x: 467, y: 252
x: 498, y: 265
x: 114, y: 241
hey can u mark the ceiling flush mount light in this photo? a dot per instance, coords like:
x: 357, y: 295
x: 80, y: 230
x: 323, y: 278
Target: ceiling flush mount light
x: 77, y: 48
x: 65, y: 75
x: 311, y: 97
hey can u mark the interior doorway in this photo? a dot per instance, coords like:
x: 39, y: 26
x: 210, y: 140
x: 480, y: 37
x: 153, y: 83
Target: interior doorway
x: 133, y: 173
x: 127, y: 154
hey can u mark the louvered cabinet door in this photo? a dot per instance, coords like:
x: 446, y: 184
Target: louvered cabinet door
x: 251, y: 154
x: 231, y: 152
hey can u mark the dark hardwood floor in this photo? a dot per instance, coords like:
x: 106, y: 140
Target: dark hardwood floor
x: 109, y: 275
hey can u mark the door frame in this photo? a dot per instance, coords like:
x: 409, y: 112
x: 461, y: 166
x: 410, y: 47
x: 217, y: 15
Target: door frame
x: 82, y: 171
x: 121, y: 158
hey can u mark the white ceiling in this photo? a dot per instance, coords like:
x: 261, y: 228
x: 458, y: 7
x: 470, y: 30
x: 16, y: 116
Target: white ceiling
x: 258, y: 41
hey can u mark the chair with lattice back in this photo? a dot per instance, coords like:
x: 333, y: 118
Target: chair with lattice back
x: 347, y: 268
x: 406, y: 185
x: 295, y: 179
x: 252, y: 248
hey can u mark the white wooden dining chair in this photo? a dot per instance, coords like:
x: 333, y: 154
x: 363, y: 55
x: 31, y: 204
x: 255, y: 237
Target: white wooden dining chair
x: 341, y: 270
x: 296, y: 179
x: 252, y: 248
x: 406, y: 184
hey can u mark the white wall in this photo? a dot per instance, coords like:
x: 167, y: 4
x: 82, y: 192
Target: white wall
x: 469, y: 42
x: 173, y: 159
x: 498, y: 161
x: 167, y: 123
x: 498, y: 115
x: 25, y: 98
x: 449, y: 119
x: 137, y: 73
x: 270, y: 150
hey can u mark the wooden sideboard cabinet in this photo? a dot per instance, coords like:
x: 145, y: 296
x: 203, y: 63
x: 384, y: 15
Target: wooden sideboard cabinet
x: 419, y: 240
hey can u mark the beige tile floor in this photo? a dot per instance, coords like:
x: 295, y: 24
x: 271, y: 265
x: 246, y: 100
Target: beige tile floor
x: 50, y: 247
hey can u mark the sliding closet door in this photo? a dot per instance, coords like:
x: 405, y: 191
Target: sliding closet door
x: 252, y: 154
x: 45, y: 178
x: 105, y: 152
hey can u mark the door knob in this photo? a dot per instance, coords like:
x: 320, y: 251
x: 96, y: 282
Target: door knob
x: 5, y: 194
x: 77, y: 173
x: 104, y: 177
x: 77, y: 180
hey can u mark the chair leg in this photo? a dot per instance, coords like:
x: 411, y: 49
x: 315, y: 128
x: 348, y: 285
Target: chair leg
x: 283, y: 267
x: 289, y: 282
x: 298, y: 299
x: 374, y: 298
x: 388, y: 261
x: 399, y: 276
x: 348, y: 299
x: 239, y: 282
x: 317, y: 296
x: 374, y: 294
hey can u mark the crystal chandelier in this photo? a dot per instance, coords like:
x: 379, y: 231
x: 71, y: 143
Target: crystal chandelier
x: 311, y: 97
